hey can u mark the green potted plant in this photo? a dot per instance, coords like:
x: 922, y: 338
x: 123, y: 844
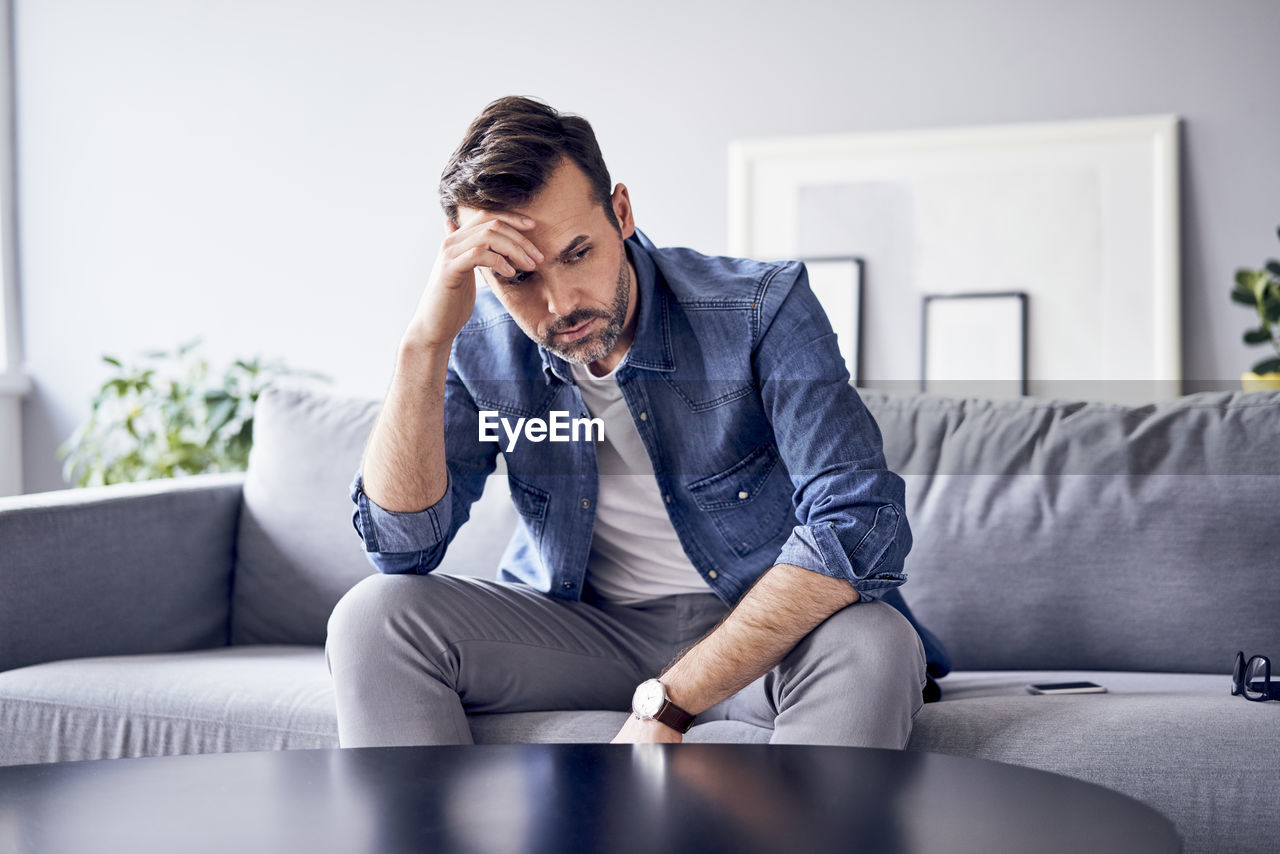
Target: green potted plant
x: 170, y: 415
x: 1260, y: 290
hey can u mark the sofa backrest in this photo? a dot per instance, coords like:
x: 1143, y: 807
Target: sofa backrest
x: 1094, y: 536
x: 297, y: 550
x: 1047, y: 534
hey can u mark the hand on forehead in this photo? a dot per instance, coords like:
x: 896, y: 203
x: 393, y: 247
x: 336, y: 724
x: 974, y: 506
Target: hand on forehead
x: 563, y: 210
x: 554, y: 238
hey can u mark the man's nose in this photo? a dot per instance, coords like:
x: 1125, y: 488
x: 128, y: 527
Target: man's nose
x: 561, y: 296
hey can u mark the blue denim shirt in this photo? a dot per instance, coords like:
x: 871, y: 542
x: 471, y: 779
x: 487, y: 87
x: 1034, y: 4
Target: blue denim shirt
x: 762, y: 449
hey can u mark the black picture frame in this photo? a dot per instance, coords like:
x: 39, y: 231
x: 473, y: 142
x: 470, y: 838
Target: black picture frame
x: 844, y: 327
x: 1022, y: 329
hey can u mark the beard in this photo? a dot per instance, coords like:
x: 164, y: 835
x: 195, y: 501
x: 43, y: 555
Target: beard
x: 600, y: 343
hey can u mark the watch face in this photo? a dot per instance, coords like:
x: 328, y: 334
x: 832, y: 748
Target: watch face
x: 648, y: 699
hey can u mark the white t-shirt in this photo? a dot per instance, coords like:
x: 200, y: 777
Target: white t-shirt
x: 635, y: 553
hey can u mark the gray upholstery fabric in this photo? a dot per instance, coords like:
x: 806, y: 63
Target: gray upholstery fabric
x: 1091, y: 536
x: 228, y: 700
x: 133, y: 568
x: 210, y: 701
x: 1178, y: 742
x: 297, y: 551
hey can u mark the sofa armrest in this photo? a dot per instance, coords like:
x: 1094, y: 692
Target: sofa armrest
x: 117, y: 570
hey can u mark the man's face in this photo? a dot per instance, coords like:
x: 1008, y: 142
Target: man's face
x: 579, y: 303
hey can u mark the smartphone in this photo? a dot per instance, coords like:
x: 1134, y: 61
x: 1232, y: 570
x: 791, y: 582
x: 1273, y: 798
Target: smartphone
x: 1067, y: 688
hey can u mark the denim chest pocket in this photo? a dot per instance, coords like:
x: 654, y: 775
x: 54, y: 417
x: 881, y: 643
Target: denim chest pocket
x: 514, y: 398
x: 701, y: 395
x: 531, y: 503
x: 746, y: 509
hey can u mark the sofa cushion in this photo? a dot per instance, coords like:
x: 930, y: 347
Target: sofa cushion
x: 1178, y: 742
x: 1091, y: 536
x: 228, y: 700
x: 209, y: 701
x: 297, y: 550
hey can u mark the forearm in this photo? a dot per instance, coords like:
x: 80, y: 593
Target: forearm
x: 404, y: 460
x: 786, y: 604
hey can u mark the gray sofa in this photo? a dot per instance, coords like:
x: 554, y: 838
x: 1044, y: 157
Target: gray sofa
x: 1137, y: 547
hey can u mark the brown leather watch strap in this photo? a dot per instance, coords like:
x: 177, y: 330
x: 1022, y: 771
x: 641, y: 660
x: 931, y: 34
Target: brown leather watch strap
x: 674, y: 716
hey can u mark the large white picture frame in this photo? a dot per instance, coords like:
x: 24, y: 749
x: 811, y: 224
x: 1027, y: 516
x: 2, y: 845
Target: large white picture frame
x: 1081, y: 216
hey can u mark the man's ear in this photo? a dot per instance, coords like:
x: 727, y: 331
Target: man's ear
x: 450, y: 226
x: 621, y: 202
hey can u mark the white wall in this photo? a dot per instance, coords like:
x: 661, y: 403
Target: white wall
x: 263, y: 172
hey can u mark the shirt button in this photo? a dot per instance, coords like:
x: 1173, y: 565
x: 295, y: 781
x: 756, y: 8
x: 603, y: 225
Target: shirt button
x: 668, y: 497
x: 713, y: 575
x: 743, y: 494
x: 585, y: 503
x: 644, y: 416
x: 568, y: 585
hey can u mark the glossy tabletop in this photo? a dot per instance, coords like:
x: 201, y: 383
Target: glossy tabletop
x: 563, y: 798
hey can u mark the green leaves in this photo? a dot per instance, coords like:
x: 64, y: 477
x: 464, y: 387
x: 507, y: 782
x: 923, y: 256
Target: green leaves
x: 173, y: 417
x: 222, y: 408
x: 1260, y: 291
x: 1267, y: 366
x: 1244, y: 280
x: 1248, y: 284
x: 1243, y: 297
x: 1271, y: 309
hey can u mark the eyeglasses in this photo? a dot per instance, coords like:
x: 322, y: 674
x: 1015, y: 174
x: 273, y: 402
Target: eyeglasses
x: 1252, y: 679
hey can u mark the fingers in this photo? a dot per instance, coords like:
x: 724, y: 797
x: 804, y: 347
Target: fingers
x: 495, y: 240
x: 481, y: 256
x: 516, y: 220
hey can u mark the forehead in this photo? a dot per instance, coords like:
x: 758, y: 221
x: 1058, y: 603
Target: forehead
x: 562, y: 210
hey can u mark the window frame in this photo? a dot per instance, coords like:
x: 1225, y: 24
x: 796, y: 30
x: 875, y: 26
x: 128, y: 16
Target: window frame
x: 12, y: 380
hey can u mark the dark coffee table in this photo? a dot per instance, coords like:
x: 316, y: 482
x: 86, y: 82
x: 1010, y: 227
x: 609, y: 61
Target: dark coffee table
x: 655, y: 799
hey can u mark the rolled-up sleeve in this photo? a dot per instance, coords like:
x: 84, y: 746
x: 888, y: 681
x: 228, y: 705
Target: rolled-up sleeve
x: 416, y: 542
x: 399, y: 542
x: 871, y: 565
x: 851, y: 507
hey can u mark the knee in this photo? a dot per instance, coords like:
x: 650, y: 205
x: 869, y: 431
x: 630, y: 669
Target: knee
x: 871, y: 635
x: 365, y: 610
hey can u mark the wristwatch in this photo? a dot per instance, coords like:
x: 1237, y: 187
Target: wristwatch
x: 650, y: 702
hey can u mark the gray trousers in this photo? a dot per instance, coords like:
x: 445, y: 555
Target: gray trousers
x: 412, y: 655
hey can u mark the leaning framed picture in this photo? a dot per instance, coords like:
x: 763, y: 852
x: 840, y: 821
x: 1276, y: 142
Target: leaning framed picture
x: 974, y: 344
x: 1081, y: 216
x: 837, y: 283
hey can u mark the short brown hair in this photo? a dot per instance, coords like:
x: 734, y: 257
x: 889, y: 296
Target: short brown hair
x: 510, y: 151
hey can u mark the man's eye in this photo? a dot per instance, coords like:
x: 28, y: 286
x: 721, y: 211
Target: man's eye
x: 578, y: 256
x: 518, y: 279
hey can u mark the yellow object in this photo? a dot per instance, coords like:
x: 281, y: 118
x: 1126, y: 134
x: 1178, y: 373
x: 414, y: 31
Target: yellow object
x: 1259, y: 382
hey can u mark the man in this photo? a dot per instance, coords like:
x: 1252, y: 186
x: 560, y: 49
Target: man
x: 669, y: 541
